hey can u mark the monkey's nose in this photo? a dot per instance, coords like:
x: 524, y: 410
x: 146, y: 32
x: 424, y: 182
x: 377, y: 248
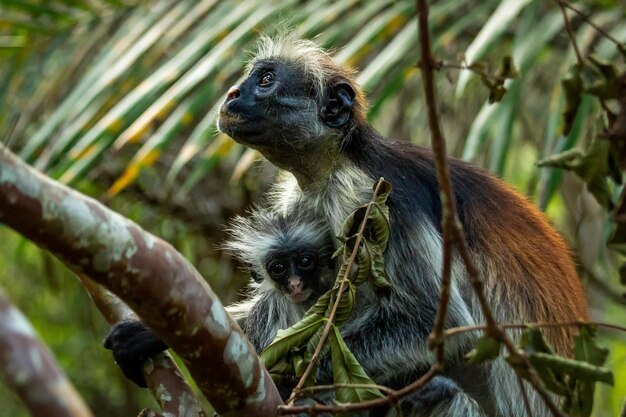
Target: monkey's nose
x: 295, y: 285
x: 233, y: 93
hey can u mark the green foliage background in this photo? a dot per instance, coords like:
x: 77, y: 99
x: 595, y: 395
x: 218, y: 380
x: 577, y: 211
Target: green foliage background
x: 118, y: 99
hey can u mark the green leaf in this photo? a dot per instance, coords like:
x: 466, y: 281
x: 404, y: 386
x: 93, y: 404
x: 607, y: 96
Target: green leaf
x: 487, y: 348
x: 346, y: 304
x: 383, y: 192
x: 362, y: 264
x: 578, y: 369
x: 379, y: 229
x: 533, y: 343
x: 378, y: 274
x: 321, y: 306
x: 586, y: 349
x: 601, y: 79
x: 340, y: 250
x: 347, y: 370
x: 351, y: 224
x: 580, y: 402
x: 293, y: 337
x: 572, y: 378
x: 282, y: 372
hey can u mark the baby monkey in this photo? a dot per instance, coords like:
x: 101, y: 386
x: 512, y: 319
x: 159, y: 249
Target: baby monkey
x: 289, y: 259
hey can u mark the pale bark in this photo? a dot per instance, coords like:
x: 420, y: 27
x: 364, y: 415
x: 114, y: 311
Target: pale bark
x: 150, y: 276
x: 164, y: 379
x: 29, y: 368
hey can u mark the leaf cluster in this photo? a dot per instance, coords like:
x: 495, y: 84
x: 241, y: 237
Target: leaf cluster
x: 572, y: 379
x: 602, y: 165
x: 292, y: 350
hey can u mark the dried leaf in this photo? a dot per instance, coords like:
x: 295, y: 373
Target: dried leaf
x: 507, y: 68
x: 573, y: 88
x: 496, y: 93
x: 600, y: 78
x: 591, y: 166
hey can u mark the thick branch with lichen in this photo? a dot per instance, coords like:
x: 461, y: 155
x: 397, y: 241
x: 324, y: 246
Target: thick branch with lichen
x: 149, y: 275
x: 29, y: 368
x: 165, y: 381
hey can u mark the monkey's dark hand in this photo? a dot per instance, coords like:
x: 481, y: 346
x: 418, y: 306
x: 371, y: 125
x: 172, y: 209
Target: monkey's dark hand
x: 132, y: 343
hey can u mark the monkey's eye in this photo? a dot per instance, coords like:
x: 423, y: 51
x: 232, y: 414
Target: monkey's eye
x: 277, y: 268
x: 305, y: 262
x: 266, y: 79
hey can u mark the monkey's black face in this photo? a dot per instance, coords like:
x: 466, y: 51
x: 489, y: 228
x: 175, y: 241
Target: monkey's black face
x: 268, y: 106
x: 279, y: 110
x: 297, y: 273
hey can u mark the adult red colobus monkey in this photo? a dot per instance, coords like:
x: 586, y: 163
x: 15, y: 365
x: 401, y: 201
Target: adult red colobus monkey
x: 306, y: 115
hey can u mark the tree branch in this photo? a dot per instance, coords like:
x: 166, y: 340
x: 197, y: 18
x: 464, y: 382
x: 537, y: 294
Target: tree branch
x: 31, y: 371
x: 165, y: 381
x: 149, y: 275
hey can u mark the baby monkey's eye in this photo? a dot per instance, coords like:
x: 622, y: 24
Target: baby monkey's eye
x: 305, y: 262
x: 266, y: 79
x: 277, y: 268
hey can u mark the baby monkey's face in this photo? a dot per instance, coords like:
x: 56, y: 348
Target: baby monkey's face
x: 296, y: 273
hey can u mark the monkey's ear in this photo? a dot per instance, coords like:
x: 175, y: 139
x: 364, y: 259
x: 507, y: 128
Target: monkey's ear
x: 338, y: 104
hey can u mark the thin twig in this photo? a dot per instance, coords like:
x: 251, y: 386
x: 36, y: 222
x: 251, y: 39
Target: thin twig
x: 452, y: 228
x: 333, y: 312
x: 587, y: 19
x: 427, y: 63
x: 381, y: 388
x: 463, y: 329
x: 570, y: 33
x: 463, y: 66
x: 392, y: 398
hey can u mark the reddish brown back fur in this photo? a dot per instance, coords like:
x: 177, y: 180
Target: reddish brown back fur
x: 530, y: 265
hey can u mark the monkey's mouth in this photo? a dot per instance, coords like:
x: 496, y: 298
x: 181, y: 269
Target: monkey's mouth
x: 299, y: 296
x: 228, y: 121
x: 237, y: 127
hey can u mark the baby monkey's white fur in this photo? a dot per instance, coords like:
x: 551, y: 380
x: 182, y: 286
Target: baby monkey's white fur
x: 253, y: 239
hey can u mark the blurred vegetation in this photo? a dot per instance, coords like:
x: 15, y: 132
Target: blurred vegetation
x: 118, y: 99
